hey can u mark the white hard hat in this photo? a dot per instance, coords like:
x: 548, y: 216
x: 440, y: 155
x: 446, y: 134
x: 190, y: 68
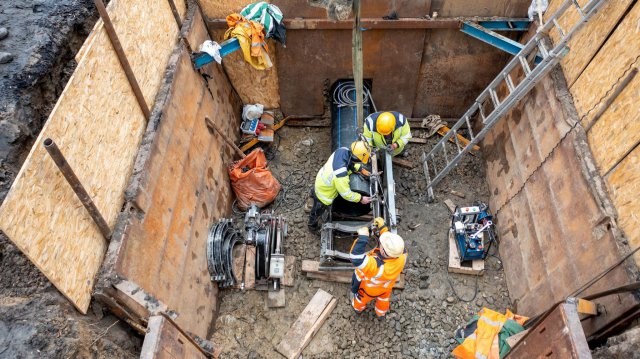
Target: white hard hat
x: 392, y: 244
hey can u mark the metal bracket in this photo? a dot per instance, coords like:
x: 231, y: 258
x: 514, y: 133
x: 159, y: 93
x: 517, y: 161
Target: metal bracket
x: 494, y: 39
x: 202, y: 58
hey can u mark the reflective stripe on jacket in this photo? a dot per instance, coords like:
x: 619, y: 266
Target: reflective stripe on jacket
x: 400, y: 135
x: 374, y: 274
x: 333, y: 178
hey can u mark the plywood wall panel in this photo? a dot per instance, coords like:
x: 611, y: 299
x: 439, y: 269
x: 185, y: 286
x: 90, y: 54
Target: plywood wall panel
x: 588, y: 41
x: 624, y: 182
x: 617, y: 55
x: 618, y: 129
x: 98, y: 125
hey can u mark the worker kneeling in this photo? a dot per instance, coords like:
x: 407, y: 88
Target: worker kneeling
x: 333, y: 180
x: 377, y: 271
x: 389, y: 130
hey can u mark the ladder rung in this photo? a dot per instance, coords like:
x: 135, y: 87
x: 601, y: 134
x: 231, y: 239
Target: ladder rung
x: 444, y: 152
x: 575, y: 3
x: 455, y: 135
x: 543, y: 49
x: 508, y: 81
x: 525, y: 65
x: 482, y: 116
x: 559, y: 28
x: 466, y: 119
x: 494, y: 98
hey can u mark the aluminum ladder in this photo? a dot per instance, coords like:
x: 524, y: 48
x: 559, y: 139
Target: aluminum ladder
x: 513, y: 83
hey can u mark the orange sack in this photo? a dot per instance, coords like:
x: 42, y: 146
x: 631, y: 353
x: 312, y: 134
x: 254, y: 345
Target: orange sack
x: 252, y: 182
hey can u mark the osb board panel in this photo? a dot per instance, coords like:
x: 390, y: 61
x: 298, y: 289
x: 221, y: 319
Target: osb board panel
x: 455, y: 69
x: 215, y: 9
x: 181, y: 189
x: 618, y: 130
x: 624, y: 183
x: 586, y: 43
x: 307, y: 62
x: 253, y: 86
x: 552, y: 241
x: 166, y: 341
x: 527, y: 134
x: 97, y: 124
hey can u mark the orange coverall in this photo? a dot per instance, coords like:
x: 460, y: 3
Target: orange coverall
x: 374, y: 276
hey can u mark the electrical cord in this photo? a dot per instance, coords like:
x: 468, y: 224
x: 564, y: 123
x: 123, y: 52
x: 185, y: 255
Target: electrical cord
x: 475, y: 290
x: 344, y: 95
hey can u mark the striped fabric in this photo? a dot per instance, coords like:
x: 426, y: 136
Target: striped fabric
x: 266, y: 14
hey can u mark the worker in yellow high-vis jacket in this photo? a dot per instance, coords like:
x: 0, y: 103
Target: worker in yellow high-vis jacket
x: 333, y: 180
x: 389, y: 129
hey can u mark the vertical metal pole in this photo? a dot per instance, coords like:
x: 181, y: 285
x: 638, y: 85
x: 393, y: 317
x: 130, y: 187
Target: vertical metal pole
x: 77, y: 187
x: 357, y: 62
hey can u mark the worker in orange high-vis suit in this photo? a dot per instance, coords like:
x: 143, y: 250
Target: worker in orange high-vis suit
x: 376, y: 271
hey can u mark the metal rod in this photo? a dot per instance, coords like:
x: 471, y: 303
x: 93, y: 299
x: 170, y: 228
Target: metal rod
x: 117, y: 46
x: 358, y: 63
x: 176, y: 15
x: 212, y: 126
x: 77, y: 187
x: 612, y: 98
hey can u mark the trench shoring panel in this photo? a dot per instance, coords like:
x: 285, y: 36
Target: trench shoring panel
x: 178, y: 188
x: 552, y: 222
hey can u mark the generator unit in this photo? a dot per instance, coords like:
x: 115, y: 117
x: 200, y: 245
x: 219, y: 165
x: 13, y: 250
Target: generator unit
x: 473, y: 231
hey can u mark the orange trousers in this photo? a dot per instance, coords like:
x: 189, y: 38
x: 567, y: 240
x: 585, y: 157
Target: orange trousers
x: 361, y: 299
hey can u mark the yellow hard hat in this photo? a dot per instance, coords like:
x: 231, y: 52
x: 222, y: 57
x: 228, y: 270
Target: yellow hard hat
x: 361, y: 151
x: 392, y: 244
x: 385, y: 123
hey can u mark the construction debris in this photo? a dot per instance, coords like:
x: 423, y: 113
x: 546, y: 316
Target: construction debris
x: 307, y: 325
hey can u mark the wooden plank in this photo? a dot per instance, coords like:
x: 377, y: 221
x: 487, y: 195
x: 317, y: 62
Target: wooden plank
x: 455, y: 266
x: 403, y: 163
x: 514, y: 339
x: 289, y: 271
x: 164, y: 339
x: 450, y: 206
x: 276, y: 299
x: 98, y: 125
x: 312, y: 270
x: 250, y: 268
x: 312, y: 317
x: 418, y: 140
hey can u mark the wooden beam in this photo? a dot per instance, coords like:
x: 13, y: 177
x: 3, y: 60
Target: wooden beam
x: 403, y: 163
x: 307, y: 325
x: 312, y: 270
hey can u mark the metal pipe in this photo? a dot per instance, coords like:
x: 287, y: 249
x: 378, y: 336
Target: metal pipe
x: 212, y: 126
x: 117, y: 46
x: 77, y: 187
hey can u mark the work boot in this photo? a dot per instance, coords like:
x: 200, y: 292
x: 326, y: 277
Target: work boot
x: 308, y: 205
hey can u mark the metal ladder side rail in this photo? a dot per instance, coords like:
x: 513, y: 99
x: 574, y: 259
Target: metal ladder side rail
x: 531, y: 77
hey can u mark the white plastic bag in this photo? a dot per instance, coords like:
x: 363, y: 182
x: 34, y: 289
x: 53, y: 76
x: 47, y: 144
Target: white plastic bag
x: 249, y: 112
x: 212, y: 48
x: 533, y: 8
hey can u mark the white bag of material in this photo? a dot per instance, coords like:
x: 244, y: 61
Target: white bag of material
x: 249, y: 112
x: 212, y: 49
x: 537, y: 6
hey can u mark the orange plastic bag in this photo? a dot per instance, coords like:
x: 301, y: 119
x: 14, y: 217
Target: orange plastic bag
x: 252, y: 182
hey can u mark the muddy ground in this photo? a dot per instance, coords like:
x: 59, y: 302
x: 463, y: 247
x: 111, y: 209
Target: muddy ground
x: 36, y: 321
x: 423, y: 316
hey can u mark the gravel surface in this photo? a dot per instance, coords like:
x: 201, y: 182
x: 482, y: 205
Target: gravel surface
x: 423, y: 316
